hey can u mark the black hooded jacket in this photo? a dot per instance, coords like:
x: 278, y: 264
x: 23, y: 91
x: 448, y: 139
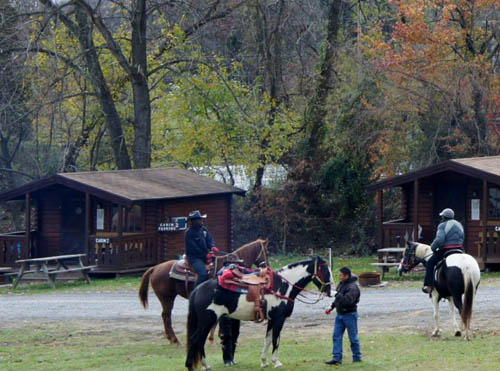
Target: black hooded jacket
x: 347, y: 297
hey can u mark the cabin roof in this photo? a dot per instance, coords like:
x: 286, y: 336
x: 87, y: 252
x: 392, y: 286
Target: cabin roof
x: 487, y: 168
x: 128, y: 186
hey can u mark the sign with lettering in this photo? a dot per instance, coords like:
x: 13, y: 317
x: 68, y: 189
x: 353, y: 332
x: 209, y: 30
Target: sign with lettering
x: 102, y: 240
x: 177, y: 224
x: 167, y: 227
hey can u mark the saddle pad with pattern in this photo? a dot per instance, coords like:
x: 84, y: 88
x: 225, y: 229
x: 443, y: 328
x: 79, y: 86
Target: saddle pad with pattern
x: 179, y: 271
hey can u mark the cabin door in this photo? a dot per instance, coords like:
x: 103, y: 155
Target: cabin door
x: 73, y: 226
x: 454, y: 196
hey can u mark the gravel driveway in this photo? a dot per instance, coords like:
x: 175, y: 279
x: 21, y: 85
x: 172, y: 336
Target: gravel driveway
x: 378, y: 309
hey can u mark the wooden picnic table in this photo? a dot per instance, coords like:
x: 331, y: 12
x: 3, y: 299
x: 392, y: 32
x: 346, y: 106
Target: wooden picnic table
x: 50, y: 267
x: 388, y: 257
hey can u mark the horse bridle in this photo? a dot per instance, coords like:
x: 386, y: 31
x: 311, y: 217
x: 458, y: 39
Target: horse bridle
x: 411, y: 258
x: 263, y: 251
x: 318, y: 275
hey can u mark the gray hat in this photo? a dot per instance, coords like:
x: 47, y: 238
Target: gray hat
x: 196, y: 215
x: 447, y: 213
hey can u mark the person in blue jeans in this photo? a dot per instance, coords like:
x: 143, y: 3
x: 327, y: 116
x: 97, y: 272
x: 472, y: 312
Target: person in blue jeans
x: 346, y: 303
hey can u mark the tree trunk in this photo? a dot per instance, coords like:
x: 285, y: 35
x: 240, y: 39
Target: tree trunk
x: 113, y: 121
x: 142, y: 103
x: 315, y: 113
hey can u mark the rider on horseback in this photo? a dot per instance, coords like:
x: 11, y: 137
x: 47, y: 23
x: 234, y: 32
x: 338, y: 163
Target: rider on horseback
x: 449, y: 235
x: 198, y: 243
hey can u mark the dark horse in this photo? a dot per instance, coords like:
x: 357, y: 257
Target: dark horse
x: 167, y: 288
x: 459, y: 275
x: 208, y: 302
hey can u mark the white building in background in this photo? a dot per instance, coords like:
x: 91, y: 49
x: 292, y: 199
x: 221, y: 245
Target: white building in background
x: 272, y: 174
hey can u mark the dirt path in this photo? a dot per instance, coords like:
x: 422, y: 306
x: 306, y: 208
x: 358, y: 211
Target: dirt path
x: 379, y: 310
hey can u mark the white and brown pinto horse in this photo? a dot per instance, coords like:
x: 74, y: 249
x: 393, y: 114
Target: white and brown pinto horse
x: 458, y: 276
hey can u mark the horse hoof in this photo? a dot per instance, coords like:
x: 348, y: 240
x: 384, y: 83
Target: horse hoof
x: 278, y: 365
x: 264, y: 364
x: 458, y: 333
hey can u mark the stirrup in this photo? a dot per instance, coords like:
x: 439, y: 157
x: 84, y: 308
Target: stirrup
x: 258, y: 316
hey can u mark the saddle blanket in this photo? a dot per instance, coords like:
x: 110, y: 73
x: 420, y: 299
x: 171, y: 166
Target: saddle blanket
x: 179, y: 270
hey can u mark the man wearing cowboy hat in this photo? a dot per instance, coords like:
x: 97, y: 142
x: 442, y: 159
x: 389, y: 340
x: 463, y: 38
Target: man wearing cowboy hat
x: 198, y: 243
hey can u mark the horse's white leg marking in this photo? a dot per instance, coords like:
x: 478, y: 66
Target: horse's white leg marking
x: 435, y: 301
x: 267, y: 343
x: 454, y: 317
x: 205, y: 364
x: 274, y: 357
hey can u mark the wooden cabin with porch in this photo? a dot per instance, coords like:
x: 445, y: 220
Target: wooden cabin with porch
x: 469, y: 186
x: 124, y: 220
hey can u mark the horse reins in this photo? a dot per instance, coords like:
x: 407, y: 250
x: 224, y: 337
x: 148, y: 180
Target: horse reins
x: 315, y: 275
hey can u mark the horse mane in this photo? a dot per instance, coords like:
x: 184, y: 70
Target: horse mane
x: 422, y: 248
x: 301, y: 262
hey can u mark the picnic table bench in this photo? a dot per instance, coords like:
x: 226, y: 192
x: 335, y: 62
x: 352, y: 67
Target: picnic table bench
x: 50, y: 267
x: 388, y: 257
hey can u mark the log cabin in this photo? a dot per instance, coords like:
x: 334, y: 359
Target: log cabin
x: 124, y: 220
x: 469, y: 186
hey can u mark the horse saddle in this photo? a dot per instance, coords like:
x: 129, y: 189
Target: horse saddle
x: 183, y: 271
x: 258, y: 284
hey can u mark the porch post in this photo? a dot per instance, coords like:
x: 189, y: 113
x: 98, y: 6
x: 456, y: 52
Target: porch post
x: 380, y: 204
x: 415, y: 210
x: 87, y: 226
x: 27, y: 220
x: 120, y: 251
x: 484, y: 218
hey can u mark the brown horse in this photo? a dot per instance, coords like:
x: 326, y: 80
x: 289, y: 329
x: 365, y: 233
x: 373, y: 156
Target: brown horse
x: 167, y: 288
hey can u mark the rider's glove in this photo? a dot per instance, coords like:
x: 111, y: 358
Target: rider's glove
x: 328, y: 311
x: 215, y: 249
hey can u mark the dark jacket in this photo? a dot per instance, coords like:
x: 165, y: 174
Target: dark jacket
x: 198, y: 242
x: 347, y: 297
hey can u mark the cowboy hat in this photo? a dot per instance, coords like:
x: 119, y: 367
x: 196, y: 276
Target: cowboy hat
x: 196, y: 215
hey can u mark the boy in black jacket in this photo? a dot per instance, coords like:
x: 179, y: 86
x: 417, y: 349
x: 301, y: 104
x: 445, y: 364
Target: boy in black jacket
x: 346, y: 303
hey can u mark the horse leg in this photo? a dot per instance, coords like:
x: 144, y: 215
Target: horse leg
x: 203, y: 338
x: 454, y: 317
x: 167, y: 304
x: 235, y: 331
x: 267, y: 343
x: 278, y: 325
x: 211, y: 335
x: 435, y: 302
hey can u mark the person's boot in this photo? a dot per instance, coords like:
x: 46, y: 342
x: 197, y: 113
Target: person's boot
x: 333, y: 362
x: 427, y: 289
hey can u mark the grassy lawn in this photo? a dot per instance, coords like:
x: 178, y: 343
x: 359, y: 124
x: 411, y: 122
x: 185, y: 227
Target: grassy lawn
x: 73, y: 346
x: 357, y: 264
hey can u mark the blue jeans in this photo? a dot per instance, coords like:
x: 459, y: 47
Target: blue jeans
x: 199, y: 267
x: 347, y: 321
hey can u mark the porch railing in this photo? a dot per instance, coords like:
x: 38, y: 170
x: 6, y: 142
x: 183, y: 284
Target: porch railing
x: 489, y: 248
x: 133, y: 251
x: 396, y: 232
x: 13, y: 247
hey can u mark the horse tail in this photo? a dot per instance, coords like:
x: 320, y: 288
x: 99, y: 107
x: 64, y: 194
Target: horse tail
x: 469, y: 293
x: 143, y: 289
x: 192, y: 344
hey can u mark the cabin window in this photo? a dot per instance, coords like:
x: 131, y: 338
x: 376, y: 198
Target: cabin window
x: 99, y: 217
x: 494, y: 203
x: 132, y: 219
